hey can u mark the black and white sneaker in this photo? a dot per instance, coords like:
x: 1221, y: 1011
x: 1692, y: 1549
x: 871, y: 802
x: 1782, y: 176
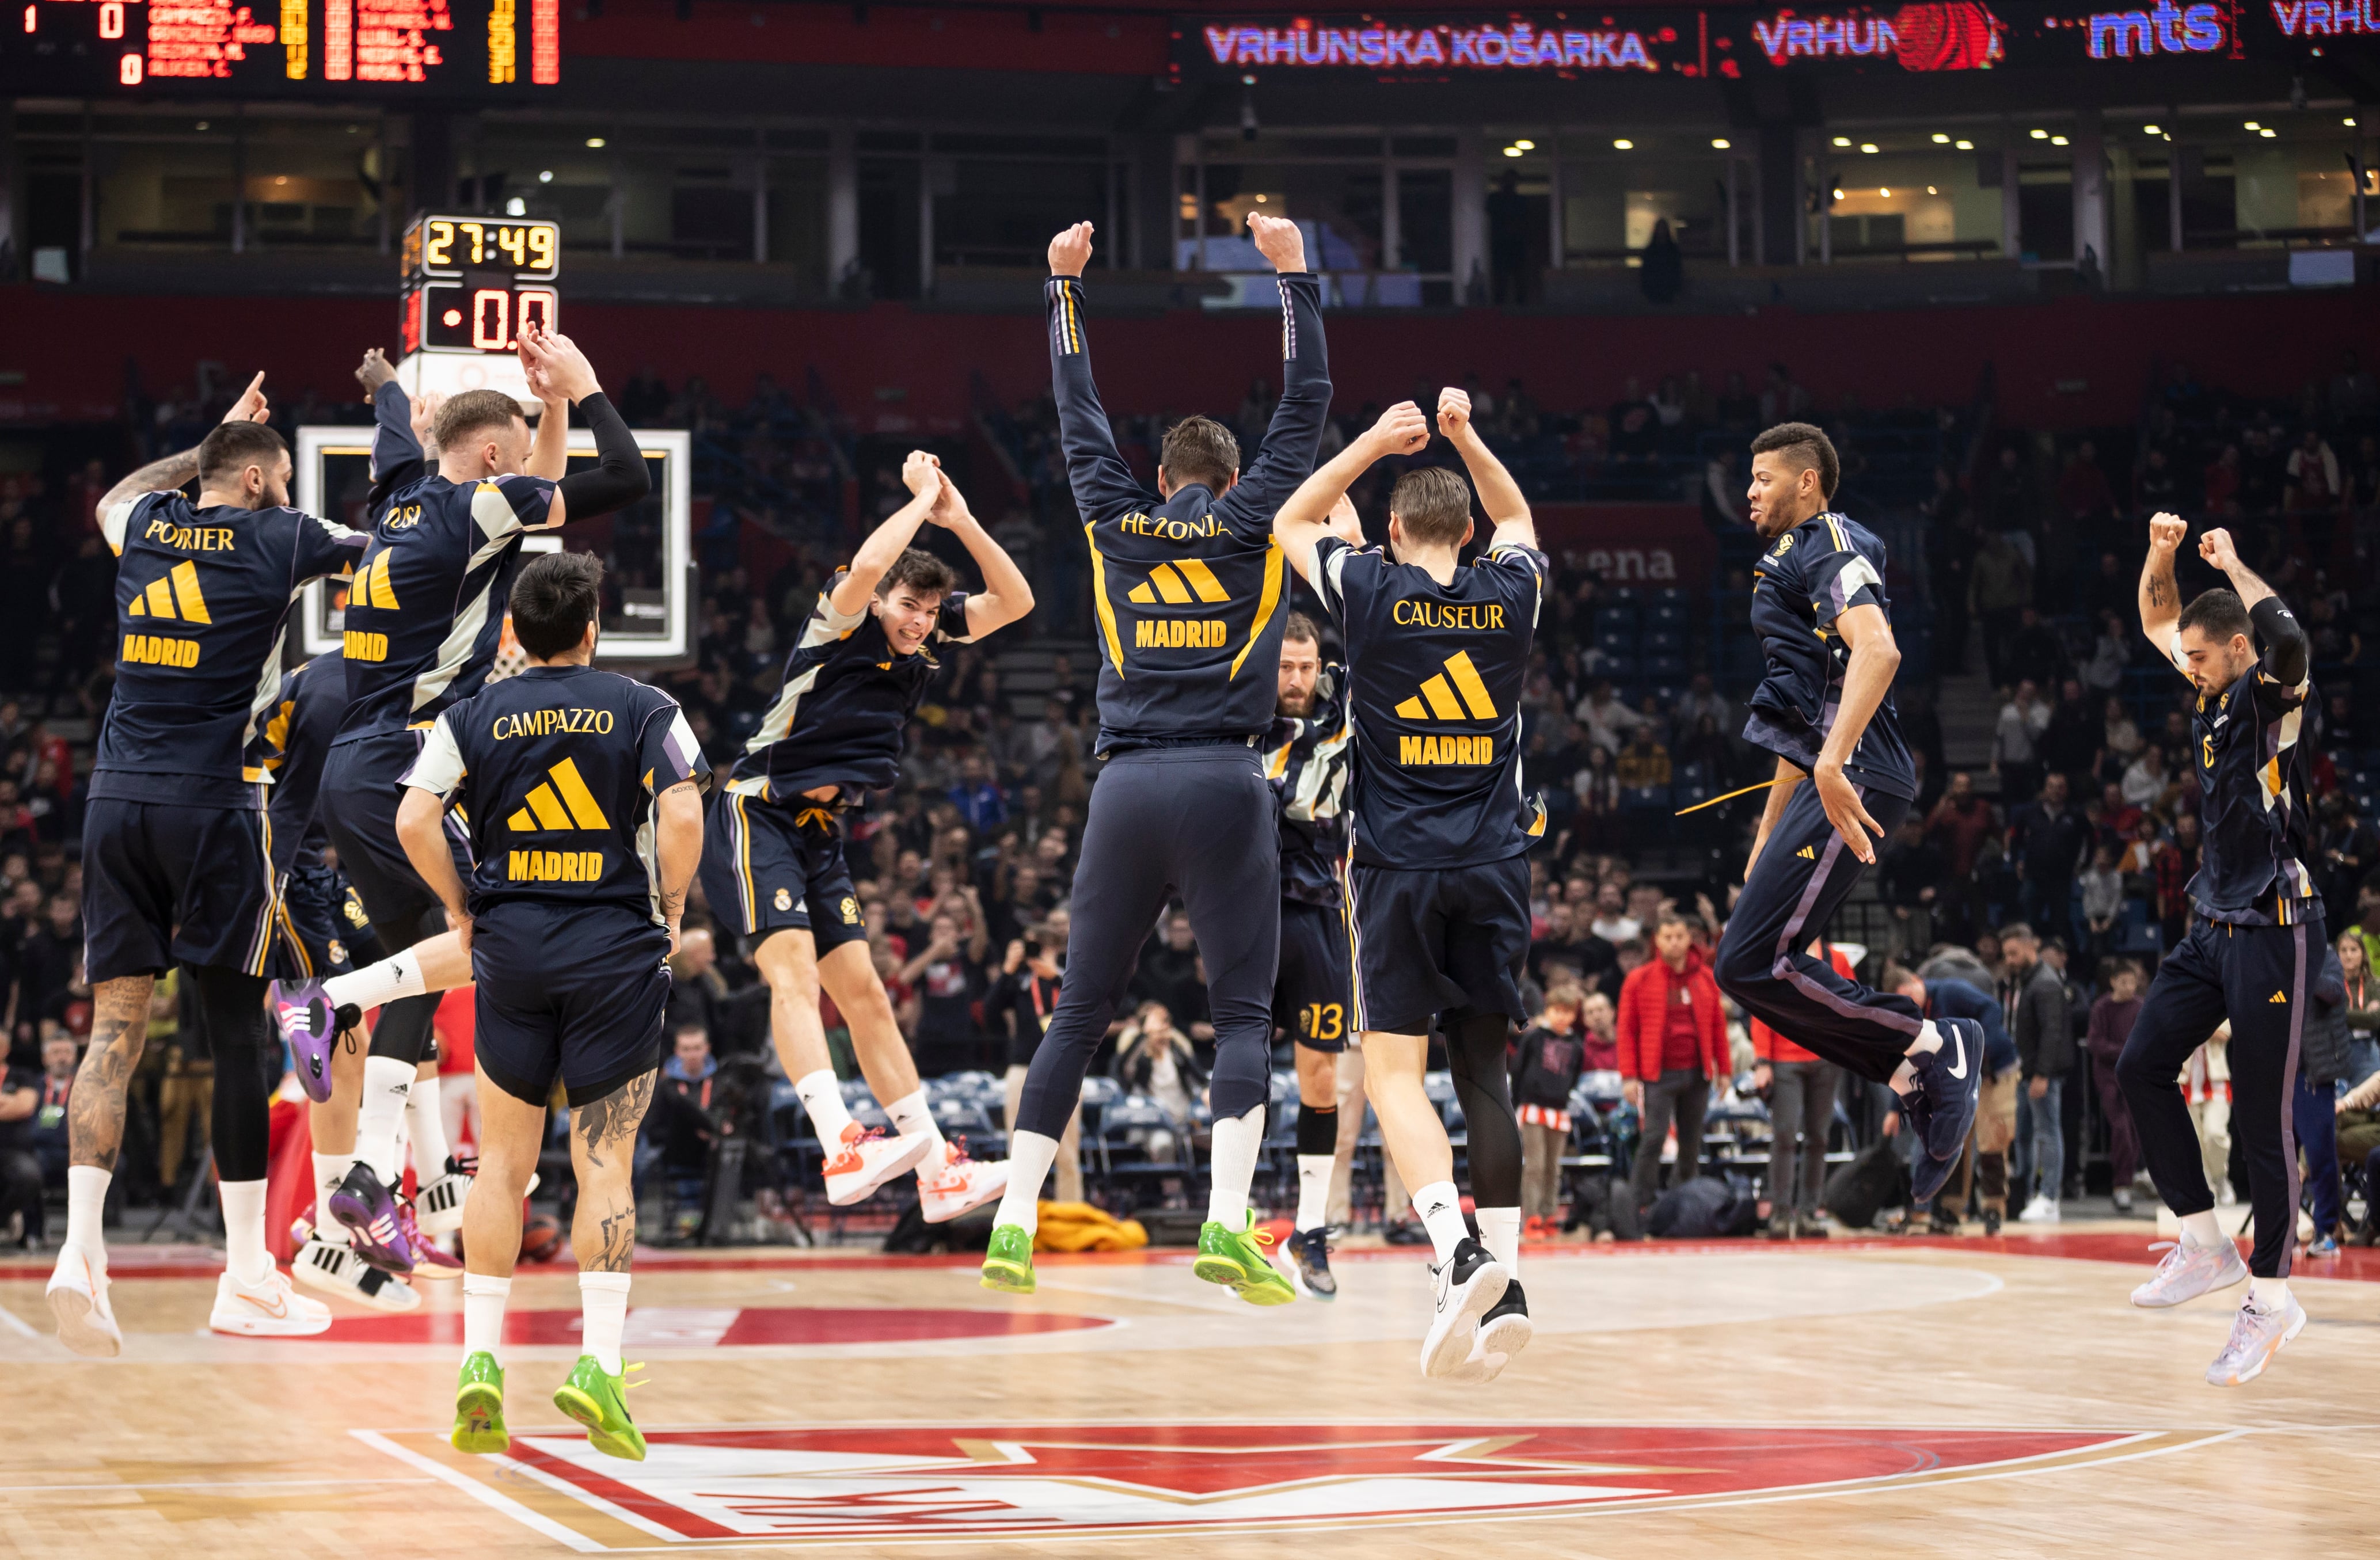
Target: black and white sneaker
x: 1506, y: 1328
x: 336, y: 1270
x: 1468, y: 1287
x: 438, y: 1207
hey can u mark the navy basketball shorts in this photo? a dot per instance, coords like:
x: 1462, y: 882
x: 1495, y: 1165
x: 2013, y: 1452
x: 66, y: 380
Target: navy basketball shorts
x: 578, y: 992
x: 323, y: 930
x: 360, y: 795
x: 1437, y: 945
x: 770, y: 866
x: 164, y: 884
x: 1310, y: 994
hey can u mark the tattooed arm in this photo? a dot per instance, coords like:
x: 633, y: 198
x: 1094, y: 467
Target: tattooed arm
x: 2160, y: 600
x: 603, y: 1144
x: 120, y: 1027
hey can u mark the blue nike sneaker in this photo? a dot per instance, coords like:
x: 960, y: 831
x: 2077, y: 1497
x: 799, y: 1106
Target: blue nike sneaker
x: 1941, y: 1109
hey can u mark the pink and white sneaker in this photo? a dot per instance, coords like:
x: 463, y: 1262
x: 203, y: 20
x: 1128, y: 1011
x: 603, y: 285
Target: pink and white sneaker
x: 2189, y: 1271
x: 958, y: 1185
x: 866, y: 1159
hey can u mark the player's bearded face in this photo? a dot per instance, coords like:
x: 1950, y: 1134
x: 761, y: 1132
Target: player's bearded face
x: 2215, y: 664
x: 1774, y: 500
x: 907, y: 618
x: 1299, y: 666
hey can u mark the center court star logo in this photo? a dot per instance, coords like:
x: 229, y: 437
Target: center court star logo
x: 792, y: 1486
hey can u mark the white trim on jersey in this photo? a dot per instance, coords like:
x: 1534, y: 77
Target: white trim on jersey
x: 113, y: 523
x: 492, y: 511
x: 438, y: 767
x: 825, y: 624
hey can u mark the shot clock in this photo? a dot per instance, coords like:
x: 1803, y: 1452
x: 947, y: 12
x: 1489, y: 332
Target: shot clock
x: 472, y: 283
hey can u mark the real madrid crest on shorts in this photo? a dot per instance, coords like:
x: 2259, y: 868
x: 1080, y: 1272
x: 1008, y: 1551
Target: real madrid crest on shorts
x: 337, y: 950
x: 784, y: 899
x: 850, y: 910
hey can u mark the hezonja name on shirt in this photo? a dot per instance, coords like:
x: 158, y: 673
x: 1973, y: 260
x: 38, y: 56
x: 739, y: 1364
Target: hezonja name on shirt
x: 1140, y: 525
x: 545, y: 722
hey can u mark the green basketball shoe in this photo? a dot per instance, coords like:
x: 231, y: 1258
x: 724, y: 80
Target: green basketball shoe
x: 598, y: 1399
x: 1237, y: 1258
x: 1008, y: 1266
x: 479, y: 1407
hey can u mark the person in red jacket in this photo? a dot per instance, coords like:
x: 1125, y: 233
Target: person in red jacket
x: 1672, y: 1048
x: 1801, y: 1087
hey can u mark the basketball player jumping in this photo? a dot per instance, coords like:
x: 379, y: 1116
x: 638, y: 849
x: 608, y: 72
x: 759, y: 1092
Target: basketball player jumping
x: 1311, y: 749
x: 424, y: 619
x: 774, y: 866
x: 1824, y: 708
x: 177, y: 864
x: 1436, y: 875
x: 1188, y: 584
x: 2255, y: 941
x: 586, y: 815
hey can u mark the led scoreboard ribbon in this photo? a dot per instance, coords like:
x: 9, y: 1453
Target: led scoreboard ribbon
x: 436, y: 48
x: 472, y: 285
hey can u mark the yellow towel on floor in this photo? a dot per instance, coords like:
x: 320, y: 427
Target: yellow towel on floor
x: 1078, y: 1226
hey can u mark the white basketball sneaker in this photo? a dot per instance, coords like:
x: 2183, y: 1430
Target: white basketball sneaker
x: 78, y: 1296
x: 335, y: 1270
x: 866, y: 1159
x: 438, y: 1207
x: 269, y: 1310
x: 958, y: 1185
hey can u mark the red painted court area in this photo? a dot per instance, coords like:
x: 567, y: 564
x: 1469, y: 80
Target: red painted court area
x: 725, y: 1327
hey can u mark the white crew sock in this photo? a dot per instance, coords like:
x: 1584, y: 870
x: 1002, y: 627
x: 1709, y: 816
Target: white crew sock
x: 1499, y: 1231
x: 86, y: 1209
x: 425, y: 1123
x: 604, y: 1310
x: 243, y: 1212
x: 1440, y: 1207
x: 329, y: 1169
x: 1314, y: 1190
x: 2268, y: 1294
x: 483, y: 1315
x: 1232, y: 1168
x: 1928, y: 1039
x: 823, y: 1097
x: 387, y: 1083
x: 1029, y: 1157
x: 2200, y: 1230
x: 911, y: 1115
x: 377, y: 985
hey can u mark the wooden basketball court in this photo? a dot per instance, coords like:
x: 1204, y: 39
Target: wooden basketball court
x: 1844, y: 1398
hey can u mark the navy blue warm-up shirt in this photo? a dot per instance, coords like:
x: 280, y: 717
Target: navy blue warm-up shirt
x: 1809, y: 576
x: 1191, y: 589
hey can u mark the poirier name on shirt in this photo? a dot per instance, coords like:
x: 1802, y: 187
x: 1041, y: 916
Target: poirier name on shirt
x: 554, y: 866
x: 1412, y: 751
x: 191, y: 539
x: 545, y: 722
x: 1434, y: 614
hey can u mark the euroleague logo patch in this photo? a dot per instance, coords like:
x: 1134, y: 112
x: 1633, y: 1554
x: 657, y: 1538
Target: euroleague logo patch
x: 846, y: 1484
x: 850, y: 910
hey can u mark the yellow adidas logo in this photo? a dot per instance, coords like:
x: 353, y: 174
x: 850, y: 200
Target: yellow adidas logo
x: 565, y: 804
x: 371, y: 586
x: 1806, y: 853
x: 1440, y: 691
x: 174, y: 594
x: 1178, y: 584
x: 2278, y: 997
